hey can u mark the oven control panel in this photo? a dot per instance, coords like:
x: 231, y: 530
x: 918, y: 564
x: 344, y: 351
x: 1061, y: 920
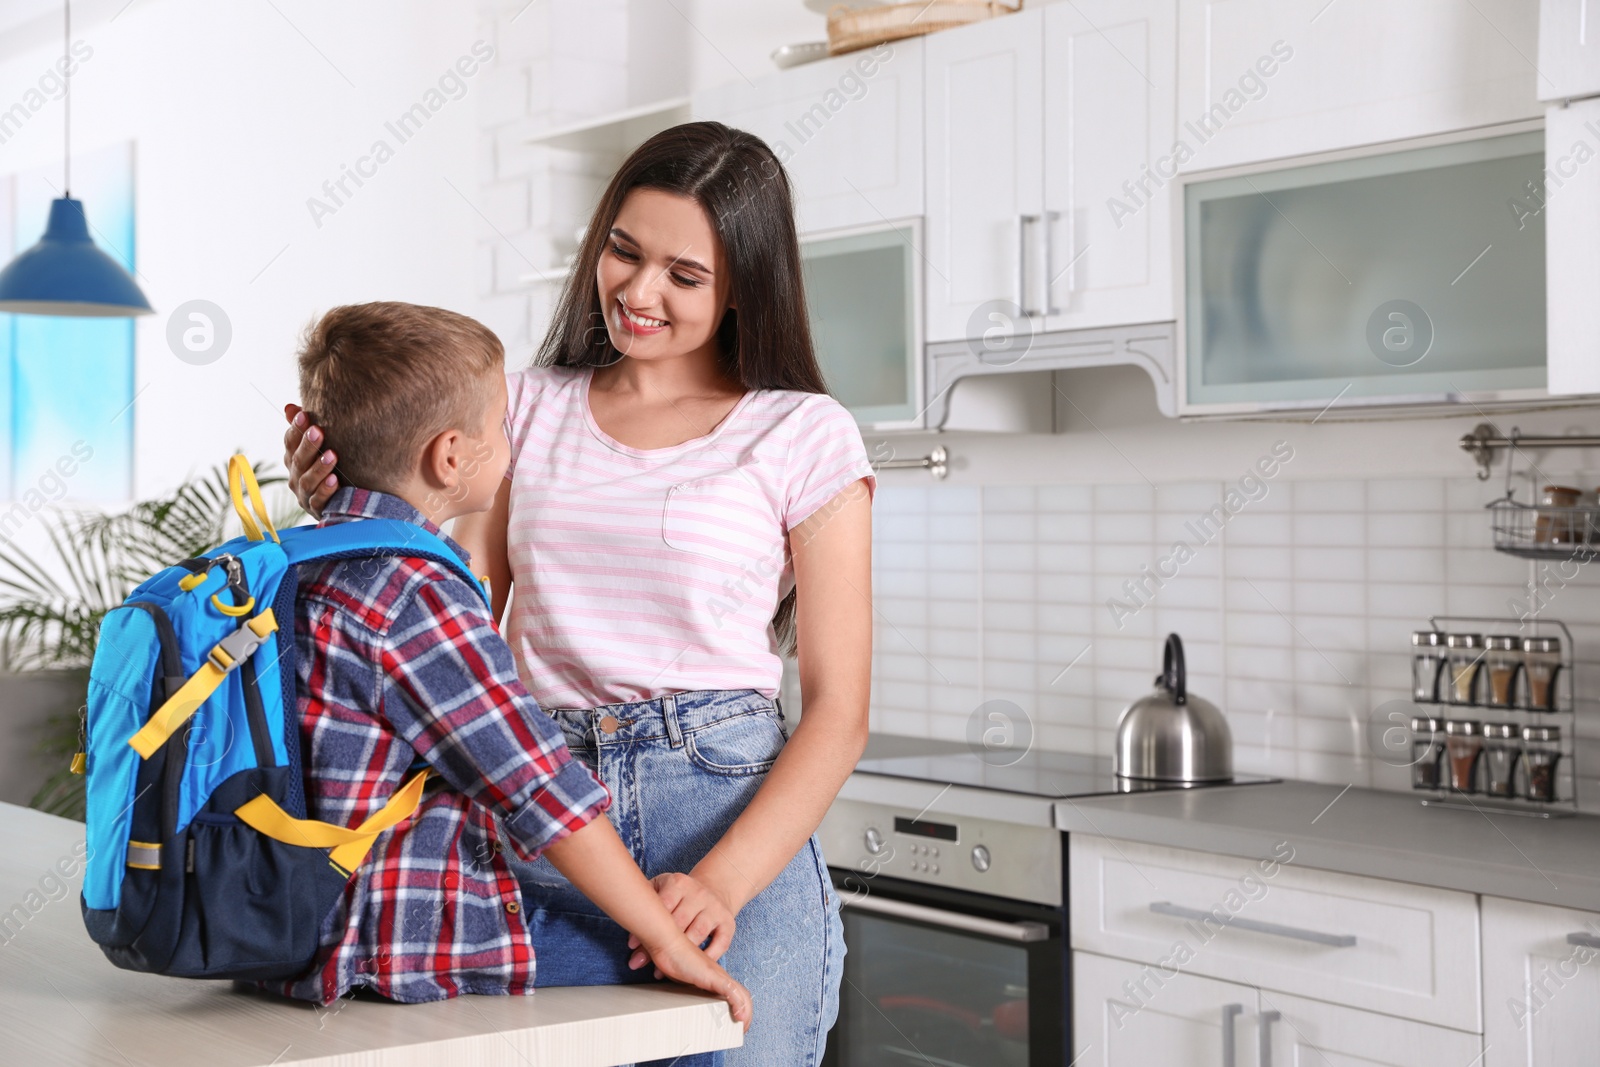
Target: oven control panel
x: 982, y: 855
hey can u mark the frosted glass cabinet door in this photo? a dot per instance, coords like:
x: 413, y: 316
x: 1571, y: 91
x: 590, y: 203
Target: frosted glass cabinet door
x: 1409, y: 275
x: 861, y: 291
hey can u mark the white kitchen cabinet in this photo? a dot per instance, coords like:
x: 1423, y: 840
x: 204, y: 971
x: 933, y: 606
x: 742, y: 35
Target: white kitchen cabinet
x: 1365, y: 943
x: 1572, y: 254
x: 1308, y: 1032
x: 848, y: 130
x: 1132, y: 1014
x: 1269, y: 79
x: 1569, y: 49
x: 1541, y: 984
x: 1043, y: 131
x: 1110, y: 68
x: 985, y: 139
x: 1128, y: 1014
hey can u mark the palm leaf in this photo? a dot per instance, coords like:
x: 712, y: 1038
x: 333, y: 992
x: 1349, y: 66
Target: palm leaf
x: 50, y: 615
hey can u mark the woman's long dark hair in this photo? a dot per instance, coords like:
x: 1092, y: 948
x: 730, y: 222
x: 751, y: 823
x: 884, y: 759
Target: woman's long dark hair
x: 764, y: 342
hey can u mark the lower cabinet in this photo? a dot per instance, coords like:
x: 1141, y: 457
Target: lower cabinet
x: 1128, y: 1014
x: 1541, y: 985
x: 1303, y: 1032
x: 1131, y: 1014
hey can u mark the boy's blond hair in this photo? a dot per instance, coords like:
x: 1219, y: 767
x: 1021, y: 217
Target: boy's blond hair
x: 381, y: 379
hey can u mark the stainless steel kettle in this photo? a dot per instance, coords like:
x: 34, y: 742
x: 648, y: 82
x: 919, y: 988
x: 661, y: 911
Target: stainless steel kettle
x: 1172, y: 736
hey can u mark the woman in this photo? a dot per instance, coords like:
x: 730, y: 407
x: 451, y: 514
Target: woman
x: 682, y: 484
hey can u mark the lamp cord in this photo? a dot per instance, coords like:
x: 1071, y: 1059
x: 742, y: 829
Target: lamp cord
x: 66, y: 99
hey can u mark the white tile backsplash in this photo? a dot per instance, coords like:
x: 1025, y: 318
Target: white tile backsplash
x: 1296, y: 614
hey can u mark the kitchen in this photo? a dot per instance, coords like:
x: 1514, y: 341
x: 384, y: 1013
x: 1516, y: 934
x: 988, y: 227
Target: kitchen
x: 1226, y: 319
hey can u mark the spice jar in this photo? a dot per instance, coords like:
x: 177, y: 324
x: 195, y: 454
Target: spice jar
x: 1553, y: 524
x: 1541, y: 751
x: 1427, y: 752
x: 1427, y: 661
x: 1541, y: 661
x: 1502, y: 656
x: 1463, y: 742
x: 1501, y: 747
x: 1465, y: 652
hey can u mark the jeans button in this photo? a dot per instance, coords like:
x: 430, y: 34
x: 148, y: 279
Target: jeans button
x: 609, y: 724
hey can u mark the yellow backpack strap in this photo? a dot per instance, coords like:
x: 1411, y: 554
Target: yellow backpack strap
x: 349, y: 847
x: 242, y: 480
x: 181, y: 706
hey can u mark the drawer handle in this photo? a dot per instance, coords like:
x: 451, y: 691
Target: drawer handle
x: 1583, y: 940
x: 1317, y: 937
x: 1230, y: 1012
x: 1267, y: 1019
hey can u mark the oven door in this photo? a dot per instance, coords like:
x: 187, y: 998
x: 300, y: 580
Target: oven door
x: 948, y: 979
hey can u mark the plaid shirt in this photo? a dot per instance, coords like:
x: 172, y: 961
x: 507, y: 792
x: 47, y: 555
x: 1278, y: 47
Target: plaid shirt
x: 399, y: 657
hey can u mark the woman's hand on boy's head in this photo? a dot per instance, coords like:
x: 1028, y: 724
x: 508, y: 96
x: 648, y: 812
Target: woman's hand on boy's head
x: 699, y: 911
x: 310, y: 469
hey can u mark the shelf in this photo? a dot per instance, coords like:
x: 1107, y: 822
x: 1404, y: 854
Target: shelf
x: 619, y: 132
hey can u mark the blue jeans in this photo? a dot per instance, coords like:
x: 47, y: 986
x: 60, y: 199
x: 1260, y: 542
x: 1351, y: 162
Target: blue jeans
x: 681, y: 768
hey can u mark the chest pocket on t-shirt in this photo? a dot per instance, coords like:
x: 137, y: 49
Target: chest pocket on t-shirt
x: 724, y: 516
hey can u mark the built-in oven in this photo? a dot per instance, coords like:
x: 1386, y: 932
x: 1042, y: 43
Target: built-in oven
x: 955, y: 940
x: 955, y: 925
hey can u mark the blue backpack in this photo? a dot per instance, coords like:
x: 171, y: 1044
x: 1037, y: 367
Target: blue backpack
x: 201, y: 862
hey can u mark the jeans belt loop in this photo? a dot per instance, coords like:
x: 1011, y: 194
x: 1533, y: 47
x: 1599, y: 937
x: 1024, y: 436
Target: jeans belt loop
x: 669, y: 715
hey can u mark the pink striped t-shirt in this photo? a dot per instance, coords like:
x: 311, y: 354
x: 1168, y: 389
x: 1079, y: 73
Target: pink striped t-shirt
x: 642, y: 572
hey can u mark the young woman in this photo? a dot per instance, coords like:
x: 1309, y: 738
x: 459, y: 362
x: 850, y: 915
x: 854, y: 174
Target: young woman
x: 686, y: 501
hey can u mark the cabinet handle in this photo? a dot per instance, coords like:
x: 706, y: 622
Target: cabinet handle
x: 1317, y: 937
x: 1050, y: 218
x: 1267, y: 1019
x: 1583, y: 940
x: 1022, y: 265
x: 1230, y: 1012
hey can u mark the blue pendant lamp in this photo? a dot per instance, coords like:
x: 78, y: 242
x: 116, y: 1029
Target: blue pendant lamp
x: 65, y: 273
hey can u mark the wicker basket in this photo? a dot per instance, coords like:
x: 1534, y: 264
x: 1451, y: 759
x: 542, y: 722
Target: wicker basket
x: 850, y: 29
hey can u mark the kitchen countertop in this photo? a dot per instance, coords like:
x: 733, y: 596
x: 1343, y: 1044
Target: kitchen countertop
x: 1354, y: 831
x: 1364, y: 831
x: 62, y: 1001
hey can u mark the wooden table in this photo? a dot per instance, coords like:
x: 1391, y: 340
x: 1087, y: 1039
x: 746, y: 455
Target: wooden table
x: 62, y: 1002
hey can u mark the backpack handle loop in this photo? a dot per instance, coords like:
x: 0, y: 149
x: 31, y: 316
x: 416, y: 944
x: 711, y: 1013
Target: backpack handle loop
x: 241, y: 476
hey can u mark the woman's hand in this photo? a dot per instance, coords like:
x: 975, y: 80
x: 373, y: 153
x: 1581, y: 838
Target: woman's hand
x: 699, y: 911
x: 312, y: 478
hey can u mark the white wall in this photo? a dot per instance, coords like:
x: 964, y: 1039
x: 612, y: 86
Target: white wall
x: 240, y: 113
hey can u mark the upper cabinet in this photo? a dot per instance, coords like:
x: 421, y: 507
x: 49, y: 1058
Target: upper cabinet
x: 1108, y: 155
x: 1270, y: 79
x: 848, y: 130
x: 1046, y: 208
x: 1570, y: 205
x: 1569, y: 49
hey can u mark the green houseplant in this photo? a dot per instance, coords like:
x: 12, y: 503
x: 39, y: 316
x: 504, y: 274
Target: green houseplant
x: 50, y: 612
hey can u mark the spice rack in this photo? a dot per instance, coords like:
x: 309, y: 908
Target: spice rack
x: 1483, y: 680
x: 1534, y: 531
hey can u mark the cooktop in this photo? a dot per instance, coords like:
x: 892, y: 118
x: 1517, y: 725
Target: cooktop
x: 1054, y: 775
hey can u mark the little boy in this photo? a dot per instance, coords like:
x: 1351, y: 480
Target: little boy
x: 398, y: 658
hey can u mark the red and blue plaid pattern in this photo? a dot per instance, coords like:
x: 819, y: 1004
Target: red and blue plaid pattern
x: 397, y: 657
